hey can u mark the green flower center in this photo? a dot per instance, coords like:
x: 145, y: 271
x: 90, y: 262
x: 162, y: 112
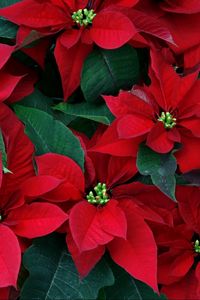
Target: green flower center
x: 168, y: 120
x: 197, y: 246
x: 83, y: 17
x: 99, y: 196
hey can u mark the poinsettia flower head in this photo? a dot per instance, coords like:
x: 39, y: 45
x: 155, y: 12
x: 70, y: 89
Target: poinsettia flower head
x: 97, y: 220
x: 179, y: 245
x: 109, y: 24
x: 186, y: 288
x: 181, y: 19
x: 18, y: 219
x: 164, y: 113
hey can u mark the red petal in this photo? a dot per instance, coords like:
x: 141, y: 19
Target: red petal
x: 183, y: 29
x: 133, y: 125
x: 110, y: 143
x: 70, y: 37
x: 39, y: 185
x: 9, y: 83
x: 84, y: 261
x: 188, y: 156
x: 186, y: 288
x: 10, y: 257
x: 189, y: 206
x: 34, y: 14
x: 120, y: 170
x: 181, y: 6
x: 158, y: 139
x: 191, y: 124
x: 5, y: 53
x: 111, y: 29
x: 173, y: 265
x: 153, y: 26
x: 125, y: 3
x: 127, y: 102
x: 19, y: 153
x: 113, y: 220
x: 62, y: 168
x: 36, y: 219
x: 85, y: 226
x: 70, y: 62
x: 131, y: 254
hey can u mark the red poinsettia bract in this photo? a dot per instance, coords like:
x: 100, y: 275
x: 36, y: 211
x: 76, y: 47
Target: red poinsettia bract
x: 164, y: 113
x: 98, y: 220
x: 18, y: 219
x: 17, y: 80
x: 109, y: 24
x: 179, y: 248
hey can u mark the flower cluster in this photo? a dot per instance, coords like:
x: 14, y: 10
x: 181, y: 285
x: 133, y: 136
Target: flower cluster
x: 99, y: 142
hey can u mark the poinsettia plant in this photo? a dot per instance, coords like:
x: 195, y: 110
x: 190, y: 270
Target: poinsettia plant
x: 99, y: 149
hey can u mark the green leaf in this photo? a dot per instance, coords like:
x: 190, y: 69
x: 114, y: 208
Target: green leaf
x: 54, y: 276
x: 40, y: 101
x: 49, y: 135
x: 37, y: 100
x: 108, y: 71
x: 3, y: 154
x: 98, y: 112
x: 8, y: 30
x: 128, y: 288
x: 161, y: 168
x: 4, y: 3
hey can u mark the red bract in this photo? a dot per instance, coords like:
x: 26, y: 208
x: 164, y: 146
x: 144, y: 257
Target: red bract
x: 98, y: 220
x: 17, y: 80
x: 110, y: 24
x: 164, y: 113
x: 110, y: 29
x: 180, y: 17
x: 16, y: 217
x: 179, y: 248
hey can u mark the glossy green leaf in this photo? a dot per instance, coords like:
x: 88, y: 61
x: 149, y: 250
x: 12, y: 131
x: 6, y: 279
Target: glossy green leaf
x: 99, y: 112
x: 4, y: 3
x: 3, y: 154
x: 49, y: 135
x: 161, y: 168
x: 8, y: 30
x: 54, y: 276
x: 128, y: 288
x: 108, y: 71
x: 40, y: 101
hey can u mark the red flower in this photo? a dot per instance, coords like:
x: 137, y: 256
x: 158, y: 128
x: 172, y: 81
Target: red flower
x: 17, y: 80
x: 179, y: 247
x: 164, y: 113
x: 110, y: 24
x: 98, y: 220
x: 181, y: 17
x: 16, y: 217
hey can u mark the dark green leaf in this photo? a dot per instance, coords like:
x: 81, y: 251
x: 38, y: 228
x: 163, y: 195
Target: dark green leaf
x: 108, y: 71
x: 3, y: 154
x: 8, y: 30
x: 85, y: 126
x: 128, y: 288
x: 193, y: 177
x: 54, y: 276
x: 161, y: 168
x: 40, y: 101
x: 4, y: 3
x: 49, y: 135
x: 99, y: 112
